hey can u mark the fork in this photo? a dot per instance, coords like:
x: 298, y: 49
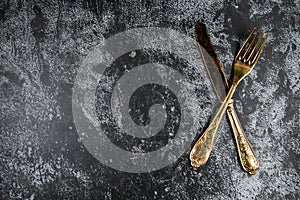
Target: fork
x: 244, y: 62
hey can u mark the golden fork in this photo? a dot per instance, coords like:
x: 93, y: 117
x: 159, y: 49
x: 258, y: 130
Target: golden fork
x: 244, y: 62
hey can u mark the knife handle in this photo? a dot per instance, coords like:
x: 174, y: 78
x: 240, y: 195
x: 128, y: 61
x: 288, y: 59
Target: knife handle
x: 247, y: 156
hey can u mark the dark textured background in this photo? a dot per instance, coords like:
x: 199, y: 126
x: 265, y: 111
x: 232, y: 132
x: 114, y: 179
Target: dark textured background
x: 41, y: 47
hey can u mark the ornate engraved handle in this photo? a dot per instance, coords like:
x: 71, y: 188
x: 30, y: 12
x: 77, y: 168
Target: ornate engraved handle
x: 247, y: 156
x: 201, y: 150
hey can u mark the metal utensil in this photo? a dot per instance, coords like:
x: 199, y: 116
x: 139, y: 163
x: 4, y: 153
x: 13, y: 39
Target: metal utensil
x: 219, y: 82
x: 244, y: 62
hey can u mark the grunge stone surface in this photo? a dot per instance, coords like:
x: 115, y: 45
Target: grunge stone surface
x: 42, y: 46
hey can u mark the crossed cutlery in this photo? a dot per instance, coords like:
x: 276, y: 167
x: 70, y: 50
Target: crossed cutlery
x: 244, y: 62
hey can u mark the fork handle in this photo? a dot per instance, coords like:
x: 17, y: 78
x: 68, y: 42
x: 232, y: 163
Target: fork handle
x: 201, y: 150
x: 247, y: 156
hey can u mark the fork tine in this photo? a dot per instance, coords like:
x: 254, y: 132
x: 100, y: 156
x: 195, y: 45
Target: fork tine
x: 238, y: 56
x: 255, y: 58
x: 250, y: 46
x: 256, y: 46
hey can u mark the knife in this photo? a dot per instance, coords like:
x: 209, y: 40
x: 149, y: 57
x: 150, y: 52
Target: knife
x: 219, y: 82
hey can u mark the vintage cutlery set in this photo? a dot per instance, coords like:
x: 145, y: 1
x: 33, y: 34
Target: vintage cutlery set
x: 244, y: 62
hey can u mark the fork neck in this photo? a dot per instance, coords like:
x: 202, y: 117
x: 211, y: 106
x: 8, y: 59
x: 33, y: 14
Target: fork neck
x: 230, y: 92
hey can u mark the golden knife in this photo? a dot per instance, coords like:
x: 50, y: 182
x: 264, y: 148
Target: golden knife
x: 219, y: 82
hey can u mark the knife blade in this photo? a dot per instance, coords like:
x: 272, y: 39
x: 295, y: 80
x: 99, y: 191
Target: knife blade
x: 211, y: 62
x: 219, y: 82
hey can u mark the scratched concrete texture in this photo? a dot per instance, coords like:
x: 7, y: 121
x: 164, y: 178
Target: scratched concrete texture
x: 41, y: 47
